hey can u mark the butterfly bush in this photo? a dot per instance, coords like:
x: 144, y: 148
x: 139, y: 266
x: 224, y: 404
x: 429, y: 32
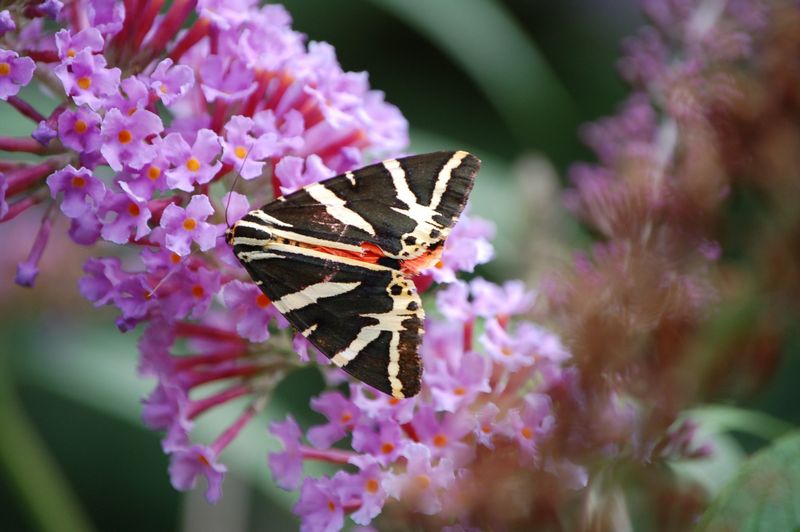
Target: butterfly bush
x: 156, y: 112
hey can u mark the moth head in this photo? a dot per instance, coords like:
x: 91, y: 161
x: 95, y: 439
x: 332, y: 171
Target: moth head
x: 229, y: 235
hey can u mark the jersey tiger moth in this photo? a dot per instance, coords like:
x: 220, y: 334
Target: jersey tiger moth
x: 336, y: 259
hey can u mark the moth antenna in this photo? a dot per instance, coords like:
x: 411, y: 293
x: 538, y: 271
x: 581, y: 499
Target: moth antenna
x: 233, y: 186
x: 169, y: 274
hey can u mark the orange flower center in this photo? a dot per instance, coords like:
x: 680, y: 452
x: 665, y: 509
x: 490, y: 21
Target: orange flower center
x: 387, y: 447
x: 507, y: 351
x: 203, y: 460
x: 163, y: 89
x: 439, y: 265
x: 440, y: 440
x: 347, y: 416
x: 78, y: 182
x: 198, y: 291
x: 262, y: 301
x: 71, y: 52
x: 331, y: 506
x: 527, y: 433
x: 80, y: 126
x: 174, y: 258
x: 5, y: 69
x: 154, y: 172
x: 393, y: 401
x: 193, y: 164
x: 372, y: 486
x: 134, y: 210
x: 423, y: 481
x: 189, y: 224
x: 84, y: 83
x: 459, y: 391
x: 125, y: 136
x: 241, y: 152
x: 486, y: 429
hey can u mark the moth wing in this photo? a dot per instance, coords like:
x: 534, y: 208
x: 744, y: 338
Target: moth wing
x: 366, y: 318
x: 404, y: 206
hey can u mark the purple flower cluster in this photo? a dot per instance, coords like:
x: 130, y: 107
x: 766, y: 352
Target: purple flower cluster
x: 476, y: 397
x: 150, y: 117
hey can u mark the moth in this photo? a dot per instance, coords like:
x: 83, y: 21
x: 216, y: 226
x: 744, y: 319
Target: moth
x: 336, y: 258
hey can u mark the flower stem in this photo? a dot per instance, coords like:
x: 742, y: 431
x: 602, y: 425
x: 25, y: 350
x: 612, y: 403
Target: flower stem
x: 332, y: 456
x: 25, y: 108
x: 31, y: 471
x: 18, y: 144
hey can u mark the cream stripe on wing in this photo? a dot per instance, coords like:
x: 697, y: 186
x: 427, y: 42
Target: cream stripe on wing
x: 251, y: 225
x: 311, y: 294
x: 444, y: 177
x: 297, y: 237
x: 337, y: 208
x: 364, y: 337
x: 404, y: 193
x: 261, y: 215
x: 394, y: 366
x: 247, y: 241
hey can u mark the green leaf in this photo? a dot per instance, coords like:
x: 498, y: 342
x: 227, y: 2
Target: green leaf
x: 491, y: 47
x: 722, y: 418
x: 764, y: 496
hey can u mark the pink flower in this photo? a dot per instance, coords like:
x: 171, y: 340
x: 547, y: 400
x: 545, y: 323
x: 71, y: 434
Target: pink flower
x: 184, y: 226
x: 15, y: 73
x: 192, y: 165
x: 82, y: 191
x: 125, y: 138
x: 86, y: 78
x: 191, y: 462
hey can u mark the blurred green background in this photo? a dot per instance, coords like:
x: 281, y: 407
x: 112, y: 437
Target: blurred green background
x: 509, y: 80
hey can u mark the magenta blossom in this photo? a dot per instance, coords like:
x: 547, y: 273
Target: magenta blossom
x: 15, y: 73
x: 125, y: 138
x: 80, y: 129
x: 189, y: 463
x: 86, y: 78
x: 128, y: 213
x: 6, y: 22
x: 170, y: 81
x: 184, y: 226
x: 82, y: 191
x: 192, y: 165
x: 70, y: 45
